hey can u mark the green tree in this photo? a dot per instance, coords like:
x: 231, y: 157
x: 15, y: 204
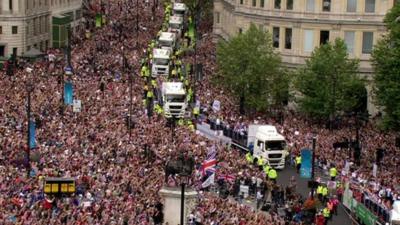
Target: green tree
x: 328, y: 82
x: 249, y: 67
x: 386, y: 62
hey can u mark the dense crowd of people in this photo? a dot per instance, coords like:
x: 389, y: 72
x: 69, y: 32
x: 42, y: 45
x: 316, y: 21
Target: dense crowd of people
x: 117, y: 183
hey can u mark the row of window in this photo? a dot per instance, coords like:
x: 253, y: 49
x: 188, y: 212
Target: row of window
x: 42, y: 46
x: 349, y: 39
x: 14, y: 29
x: 351, y: 5
x: 31, y: 4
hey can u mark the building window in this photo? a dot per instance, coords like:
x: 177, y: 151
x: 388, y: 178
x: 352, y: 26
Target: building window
x: 308, y: 40
x: 289, y: 4
x: 2, y: 48
x: 370, y: 6
x: 277, y: 4
x: 15, y: 51
x: 254, y: 3
x: 351, y: 5
x: 367, y: 42
x: 324, y: 37
x: 1, y: 30
x: 240, y: 30
x: 262, y: 3
x: 275, y: 37
x: 326, y: 5
x: 349, y: 37
x: 310, y: 6
x: 10, y: 4
x: 217, y: 17
x: 14, y: 29
x: 288, y: 38
x: 28, y: 48
x: 241, y: 2
x: 47, y: 44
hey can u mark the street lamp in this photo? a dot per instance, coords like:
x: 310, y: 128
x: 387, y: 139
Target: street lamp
x: 314, y: 140
x: 29, y: 89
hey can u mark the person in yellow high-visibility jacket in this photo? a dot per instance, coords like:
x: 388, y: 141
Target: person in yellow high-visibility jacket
x: 272, y: 175
x: 333, y: 172
x: 154, y: 83
x: 173, y: 72
x: 266, y: 168
x: 158, y: 109
x: 190, y: 125
x: 143, y: 71
x: 326, y: 213
x: 190, y: 95
x: 196, y: 112
x: 298, y: 163
x: 181, y: 122
x: 319, y: 192
x: 260, y: 162
x: 150, y: 94
x: 249, y: 158
x: 324, y: 194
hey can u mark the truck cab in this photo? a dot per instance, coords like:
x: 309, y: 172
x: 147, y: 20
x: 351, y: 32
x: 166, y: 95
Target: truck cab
x: 167, y: 40
x: 268, y: 144
x: 174, y: 99
x: 176, y: 25
x: 160, y: 62
x: 179, y: 9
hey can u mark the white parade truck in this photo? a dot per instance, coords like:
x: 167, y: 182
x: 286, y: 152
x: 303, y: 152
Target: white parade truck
x: 160, y: 62
x: 167, y: 40
x: 266, y: 143
x: 173, y: 99
x: 176, y: 25
x: 179, y: 9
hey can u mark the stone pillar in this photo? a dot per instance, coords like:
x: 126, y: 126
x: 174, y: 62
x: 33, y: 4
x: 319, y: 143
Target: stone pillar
x: 172, y: 203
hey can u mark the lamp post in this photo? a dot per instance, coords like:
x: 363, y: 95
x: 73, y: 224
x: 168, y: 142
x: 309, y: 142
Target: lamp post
x: 185, y: 171
x: 314, y: 140
x: 29, y: 89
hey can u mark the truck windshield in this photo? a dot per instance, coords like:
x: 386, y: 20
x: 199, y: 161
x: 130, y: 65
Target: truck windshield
x: 165, y: 43
x: 174, y: 25
x: 179, y: 12
x: 275, y: 145
x: 175, y: 98
x: 161, y: 61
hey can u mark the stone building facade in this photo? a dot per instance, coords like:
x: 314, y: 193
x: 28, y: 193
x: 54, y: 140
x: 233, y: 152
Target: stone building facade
x: 26, y: 24
x: 298, y: 26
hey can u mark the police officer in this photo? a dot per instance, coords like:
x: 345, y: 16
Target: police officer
x: 325, y: 194
x: 154, y: 83
x: 298, y: 163
x: 319, y: 192
x: 190, y: 125
x: 333, y: 172
x: 326, y: 213
x: 196, y: 111
x: 266, y: 168
x: 272, y: 175
x: 260, y: 162
x: 249, y: 158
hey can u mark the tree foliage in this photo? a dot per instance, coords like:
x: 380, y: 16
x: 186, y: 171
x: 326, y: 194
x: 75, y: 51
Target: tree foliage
x: 249, y: 67
x: 328, y: 83
x: 386, y: 61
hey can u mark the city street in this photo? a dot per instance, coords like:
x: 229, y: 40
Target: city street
x: 284, y: 177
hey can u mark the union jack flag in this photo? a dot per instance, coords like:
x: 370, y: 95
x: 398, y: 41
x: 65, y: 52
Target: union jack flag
x: 208, y: 166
